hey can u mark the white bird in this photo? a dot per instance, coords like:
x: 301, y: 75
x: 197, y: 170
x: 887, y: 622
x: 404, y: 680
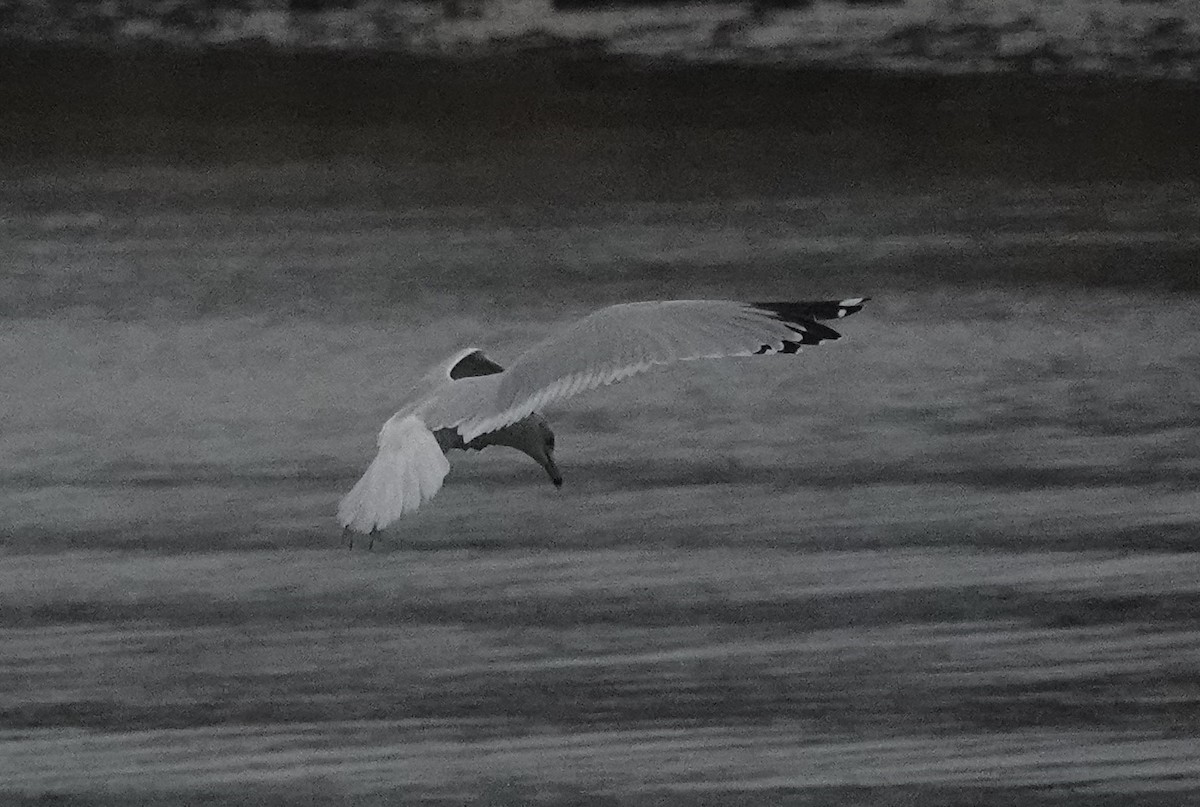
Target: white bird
x: 470, y: 402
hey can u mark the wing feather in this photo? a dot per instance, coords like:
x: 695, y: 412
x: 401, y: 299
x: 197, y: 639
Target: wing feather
x: 622, y: 340
x: 406, y: 473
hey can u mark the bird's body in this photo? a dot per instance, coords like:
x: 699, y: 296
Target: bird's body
x: 470, y: 402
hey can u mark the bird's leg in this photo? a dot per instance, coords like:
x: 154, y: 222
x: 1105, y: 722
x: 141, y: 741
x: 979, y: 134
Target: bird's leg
x: 371, y: 544
x: 348, y: 537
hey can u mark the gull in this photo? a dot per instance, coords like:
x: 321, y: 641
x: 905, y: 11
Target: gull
x: 469, y: 402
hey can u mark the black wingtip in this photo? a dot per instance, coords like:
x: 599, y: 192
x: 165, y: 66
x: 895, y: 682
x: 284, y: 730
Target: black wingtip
x: 802, y: 319
x: 814, y: 309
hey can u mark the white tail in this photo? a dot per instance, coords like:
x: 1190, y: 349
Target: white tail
x: 406, y: 473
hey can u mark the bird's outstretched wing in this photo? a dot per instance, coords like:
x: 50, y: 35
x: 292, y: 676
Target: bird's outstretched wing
x: 407, y: 471
x: 622, y: 340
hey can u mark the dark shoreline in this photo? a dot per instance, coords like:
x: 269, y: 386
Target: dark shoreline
x: 232, y: 105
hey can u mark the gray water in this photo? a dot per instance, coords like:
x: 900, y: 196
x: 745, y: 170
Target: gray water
x: 947, y: 559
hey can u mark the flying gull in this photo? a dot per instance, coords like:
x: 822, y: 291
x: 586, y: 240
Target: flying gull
x: 470, y: 402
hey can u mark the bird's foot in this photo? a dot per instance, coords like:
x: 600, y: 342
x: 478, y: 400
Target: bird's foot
x: 348, y: 538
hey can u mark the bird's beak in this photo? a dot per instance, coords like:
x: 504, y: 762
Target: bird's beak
x: 552, y: 470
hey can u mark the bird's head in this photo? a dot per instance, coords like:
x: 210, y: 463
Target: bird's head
x: 538, y: 442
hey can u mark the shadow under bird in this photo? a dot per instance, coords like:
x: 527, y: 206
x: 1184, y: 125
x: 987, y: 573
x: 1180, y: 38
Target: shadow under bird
x: 470, y: 402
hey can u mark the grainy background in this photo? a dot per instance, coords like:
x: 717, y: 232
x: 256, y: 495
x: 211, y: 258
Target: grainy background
x: 947, y: 560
